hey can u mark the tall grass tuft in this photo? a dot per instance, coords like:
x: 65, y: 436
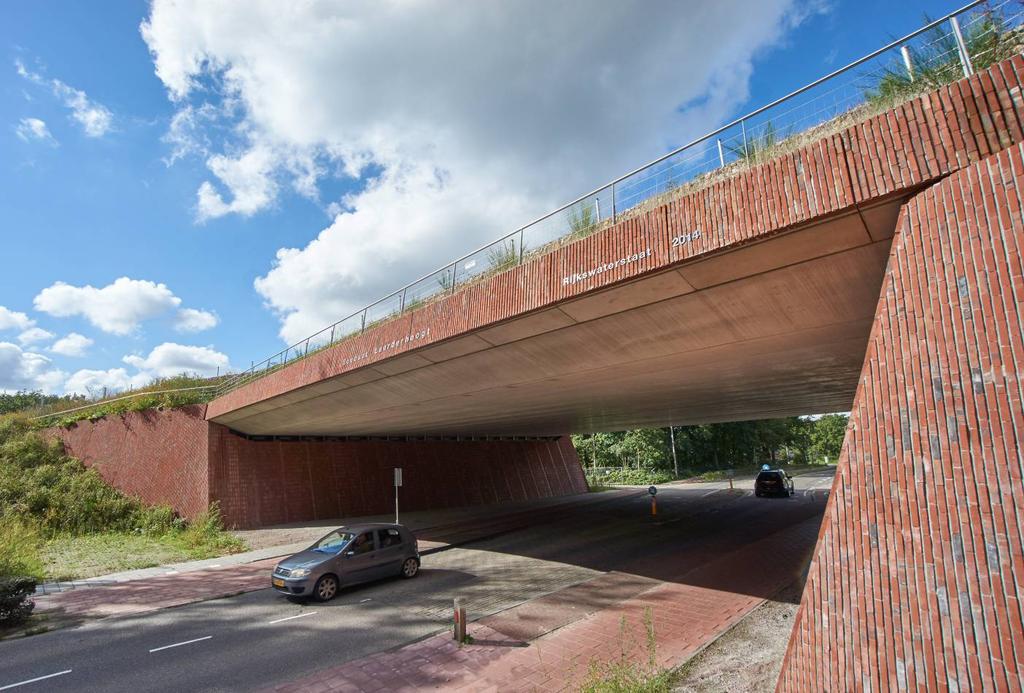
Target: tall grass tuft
x: 987, y: 37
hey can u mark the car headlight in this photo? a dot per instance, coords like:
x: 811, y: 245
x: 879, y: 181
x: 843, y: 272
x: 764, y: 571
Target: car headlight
x: 300, y: 572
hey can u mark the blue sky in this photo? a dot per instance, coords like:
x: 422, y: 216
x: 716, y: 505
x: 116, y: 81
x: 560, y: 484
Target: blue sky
x: 285, y: 118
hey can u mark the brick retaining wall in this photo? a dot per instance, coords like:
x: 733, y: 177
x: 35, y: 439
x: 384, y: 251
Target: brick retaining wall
x: 176, y: 457
x: 159, y: 456
x: 918, y: 577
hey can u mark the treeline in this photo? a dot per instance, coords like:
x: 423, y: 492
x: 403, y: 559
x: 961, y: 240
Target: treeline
x: 24, y: 400
x: 793, y: 440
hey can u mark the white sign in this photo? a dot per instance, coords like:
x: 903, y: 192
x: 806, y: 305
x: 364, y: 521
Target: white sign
x: 398, y: 477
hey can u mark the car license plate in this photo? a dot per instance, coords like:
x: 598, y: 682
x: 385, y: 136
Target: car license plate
x: 278, y: 582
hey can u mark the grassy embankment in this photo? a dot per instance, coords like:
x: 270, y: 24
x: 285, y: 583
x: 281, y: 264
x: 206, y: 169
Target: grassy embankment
x: 60, y: 520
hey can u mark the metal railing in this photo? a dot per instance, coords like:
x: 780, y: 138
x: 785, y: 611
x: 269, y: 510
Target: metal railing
x: 103, y: 402
x: 750, y: 139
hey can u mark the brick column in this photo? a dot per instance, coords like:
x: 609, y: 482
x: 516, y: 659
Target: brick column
x: 918, y: 575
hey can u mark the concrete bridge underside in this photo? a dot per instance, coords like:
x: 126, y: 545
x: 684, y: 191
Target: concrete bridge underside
x: 774, y: 328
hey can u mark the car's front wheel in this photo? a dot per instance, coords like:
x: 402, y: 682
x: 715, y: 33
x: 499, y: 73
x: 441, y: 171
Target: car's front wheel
x: 326, y: 588
x: 410, y: 568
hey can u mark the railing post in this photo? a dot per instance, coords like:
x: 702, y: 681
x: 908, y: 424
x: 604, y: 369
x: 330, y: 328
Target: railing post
x: 521, y: 251
x: 965, y: 57
x: 306, y: 352
x: 597, y: 204
x: 721, y: 154
x: 743, y: 128
x: 402, y: 308
x: 455, y: 268
x: 362, y: 327
x: 907, y: 62
x: 332, y: 333
x: 614, y: 211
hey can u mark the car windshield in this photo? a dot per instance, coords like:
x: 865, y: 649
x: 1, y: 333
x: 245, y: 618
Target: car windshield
x: 333, y: 542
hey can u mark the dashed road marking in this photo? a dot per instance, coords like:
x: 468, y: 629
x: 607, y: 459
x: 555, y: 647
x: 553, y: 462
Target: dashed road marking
x: 38, y: 678
x: 363, y: 601
x: 179, y: 644
x: 289, y: 618
x: 714, y: 490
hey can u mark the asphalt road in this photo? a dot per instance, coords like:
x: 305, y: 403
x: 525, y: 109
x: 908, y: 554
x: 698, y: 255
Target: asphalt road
x: 259, y: 638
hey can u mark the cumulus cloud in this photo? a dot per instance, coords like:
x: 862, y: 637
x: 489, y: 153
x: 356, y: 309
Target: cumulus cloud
x: 24, y: 370
x: 164, y: 361
x: 459, y: 121
x: 192, y: 320
x: 94, y: 383
x: 248, y: 177
x: 33, y: 335
x: 119, y: 307
x: 13, y: 320
x: 73, y: 344
x: 170, y: 359
x: 34, y: 130
x: 95, y: 119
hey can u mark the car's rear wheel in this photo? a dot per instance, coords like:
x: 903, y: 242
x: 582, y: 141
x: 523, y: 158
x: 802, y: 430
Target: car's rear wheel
x: 326, y: 588
x: 410, y: 568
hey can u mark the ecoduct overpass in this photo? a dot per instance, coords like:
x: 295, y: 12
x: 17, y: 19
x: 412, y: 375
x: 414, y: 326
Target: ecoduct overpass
x: 876, y: 270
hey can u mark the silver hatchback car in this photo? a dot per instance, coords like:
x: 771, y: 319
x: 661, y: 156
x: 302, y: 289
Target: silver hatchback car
x: 347, y: 556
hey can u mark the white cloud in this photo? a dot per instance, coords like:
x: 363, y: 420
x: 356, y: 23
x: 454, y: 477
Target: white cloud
x: 120, y: 307
x: 164, y: 361
x: 34, y: 129
x: 95, y: 118
x: 24, y: 370
x: 73, y: 344
x: 471, y: 118
x: 13, y: 320
x: 192, y: 320
x: 94, y: 383
x: 248, y: 177
x: 169, y: 359
x: 33, y: 335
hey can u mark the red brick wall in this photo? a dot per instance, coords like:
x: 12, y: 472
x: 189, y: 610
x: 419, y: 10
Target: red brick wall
x: 269, y: 482
x: 893, y: 153
x: 918, y: 578
x: 177, y: 458
x: 159, y: 456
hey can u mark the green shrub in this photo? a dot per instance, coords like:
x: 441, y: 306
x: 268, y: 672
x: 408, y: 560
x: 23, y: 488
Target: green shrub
x: 19, y: 549
x: 630, y: 477
x: 206, y: 535
x: 48, y: 495
x: 15, y: 600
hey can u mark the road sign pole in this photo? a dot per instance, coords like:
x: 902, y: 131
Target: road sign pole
x: 398, y: 482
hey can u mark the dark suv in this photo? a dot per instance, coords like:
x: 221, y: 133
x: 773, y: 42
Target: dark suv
x: 774, y: 482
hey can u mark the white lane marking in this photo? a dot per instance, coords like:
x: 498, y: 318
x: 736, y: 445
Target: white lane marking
x: 215, y: 565
x: 38, y: 678
x: 714, y: 490
x: 363, y: 601
x: 171, y: 572
x: 179, y: 644
x: 289, y: 618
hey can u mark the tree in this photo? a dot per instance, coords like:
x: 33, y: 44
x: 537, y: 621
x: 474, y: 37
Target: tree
x: 827, y: 436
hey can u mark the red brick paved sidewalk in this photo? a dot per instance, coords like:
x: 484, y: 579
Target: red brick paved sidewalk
x: 160, y: 592
x: 687, y: 616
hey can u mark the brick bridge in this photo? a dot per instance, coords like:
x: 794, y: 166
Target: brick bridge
x: 876, y: 270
